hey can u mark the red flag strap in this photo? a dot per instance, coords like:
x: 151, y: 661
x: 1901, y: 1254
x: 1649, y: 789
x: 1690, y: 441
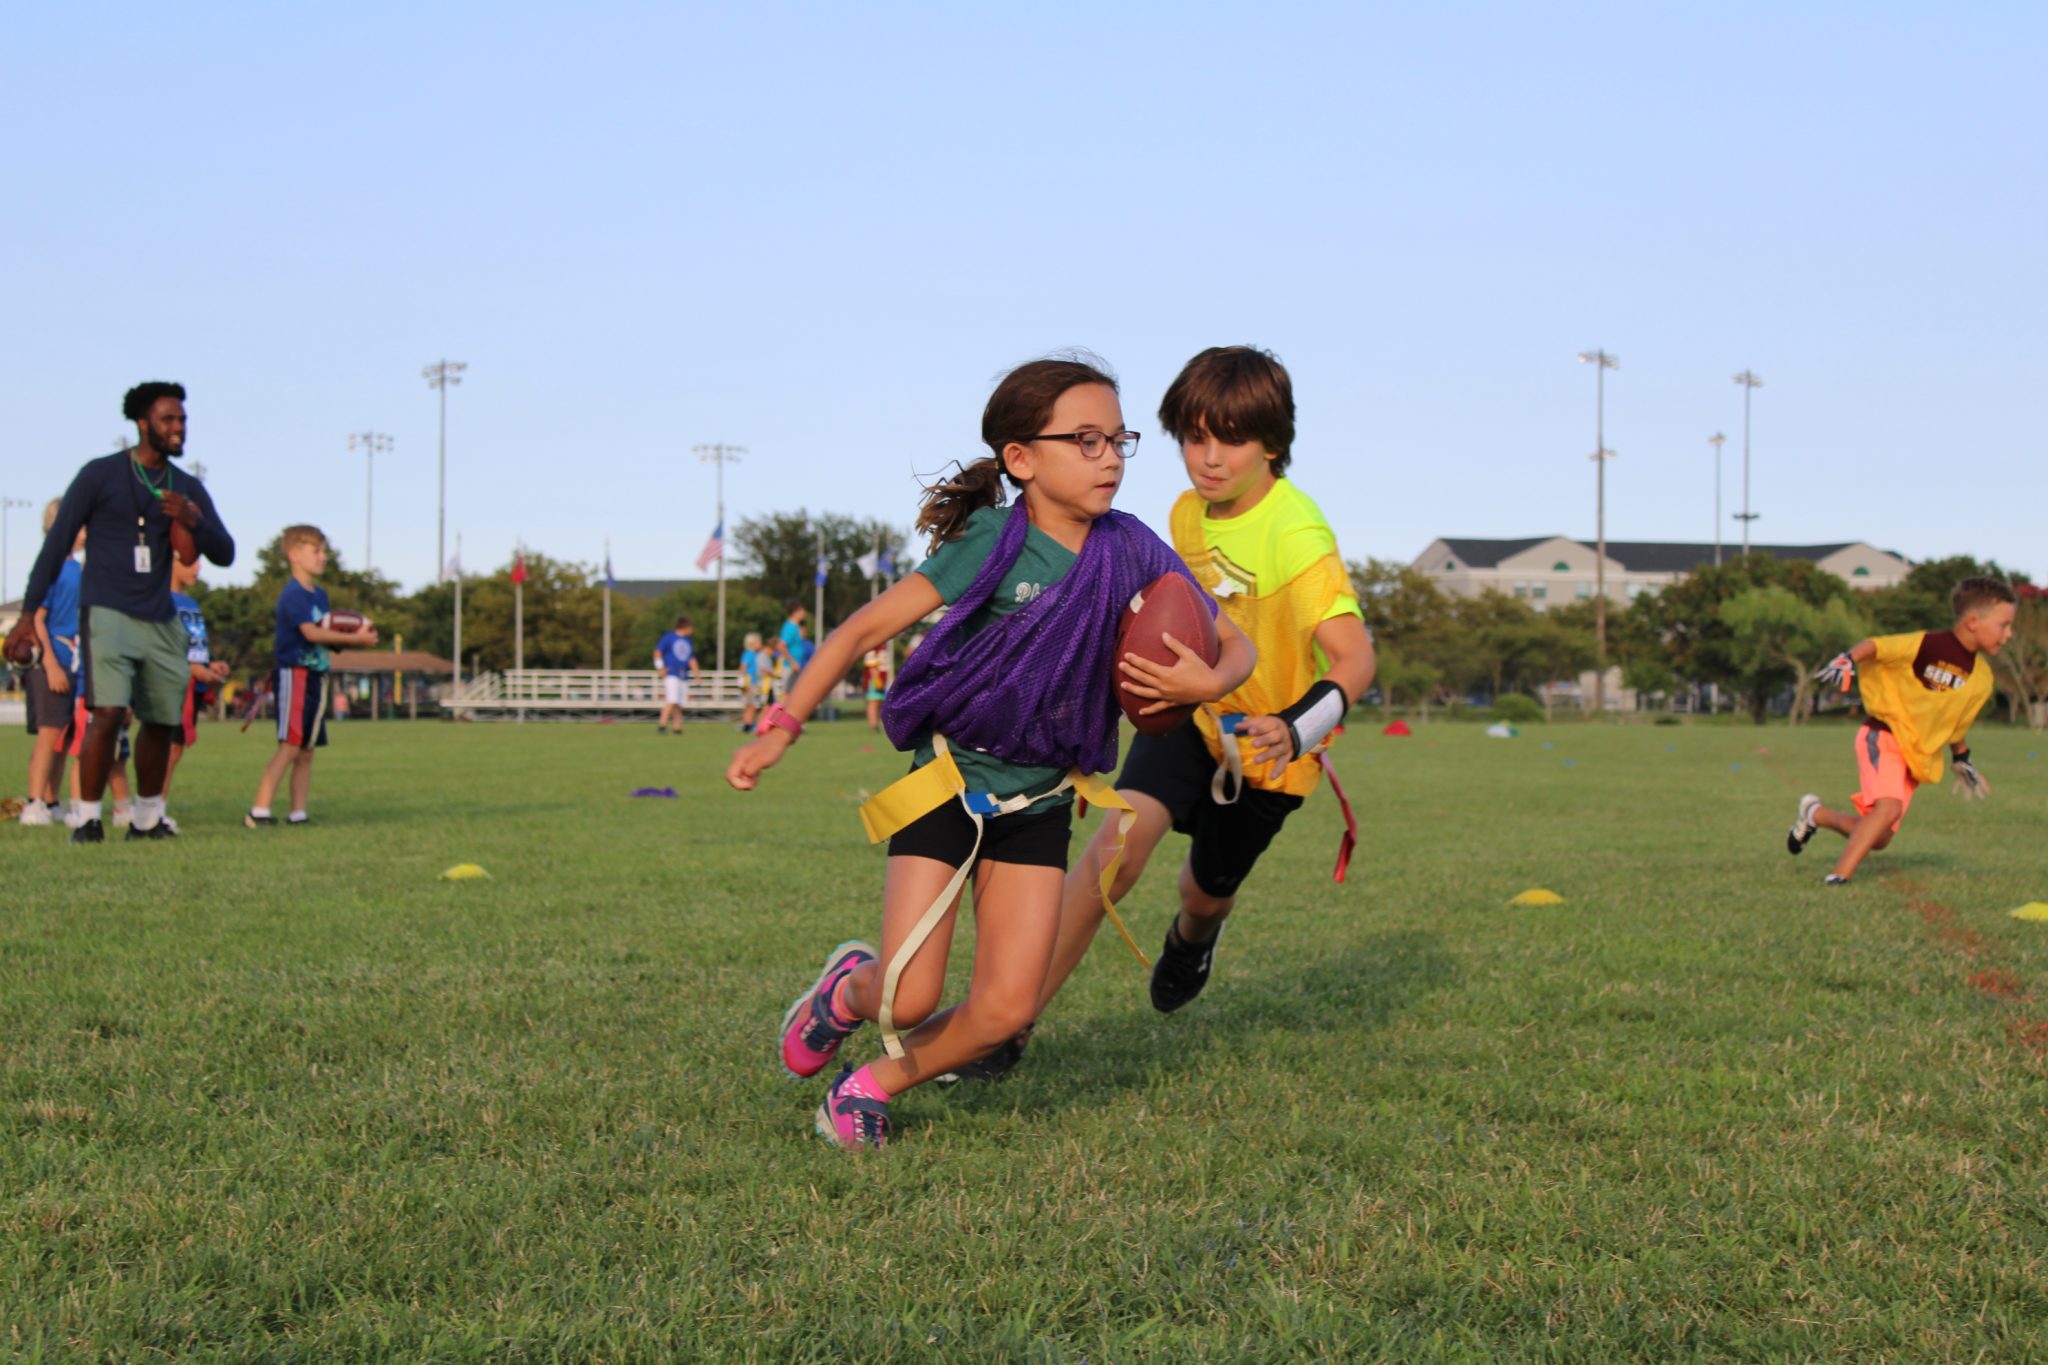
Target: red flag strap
x: 1350, y: 821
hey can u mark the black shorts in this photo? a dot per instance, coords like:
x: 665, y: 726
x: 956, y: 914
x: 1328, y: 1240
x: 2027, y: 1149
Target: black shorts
x: 1033, y: 838
x: 47, y: 710
x: 1175, y: 770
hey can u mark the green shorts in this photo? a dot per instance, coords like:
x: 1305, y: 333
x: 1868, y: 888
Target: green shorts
x: 140, y: 665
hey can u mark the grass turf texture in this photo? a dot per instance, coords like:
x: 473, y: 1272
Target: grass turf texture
x: 284, y: 1095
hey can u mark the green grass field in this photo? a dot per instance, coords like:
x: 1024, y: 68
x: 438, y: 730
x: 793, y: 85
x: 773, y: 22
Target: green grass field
x: 287, y: 1096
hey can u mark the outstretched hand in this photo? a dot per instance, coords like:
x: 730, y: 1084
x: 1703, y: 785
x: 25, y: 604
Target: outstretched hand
x: 1970, y: 784
x: 1838, y: 672
x: 756, y: 758
x: 1188, y: 681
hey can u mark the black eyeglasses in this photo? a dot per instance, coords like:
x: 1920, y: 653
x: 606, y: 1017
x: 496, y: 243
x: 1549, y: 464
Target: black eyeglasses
x: 1093, y: 443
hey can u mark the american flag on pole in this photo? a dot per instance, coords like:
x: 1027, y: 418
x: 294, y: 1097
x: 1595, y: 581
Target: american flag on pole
x: 518, y: 567
x: 714, y: 548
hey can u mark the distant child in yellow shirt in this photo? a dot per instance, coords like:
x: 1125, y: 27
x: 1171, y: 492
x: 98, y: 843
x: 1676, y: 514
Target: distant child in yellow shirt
x: 1921, y: 691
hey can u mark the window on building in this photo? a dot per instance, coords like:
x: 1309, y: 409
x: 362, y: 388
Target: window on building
x: 1582, y: 591
x: 1560, y: 567
x: 1522, y: 590
x: 1861, y: 572
x: 1539, y: 591
x: 1450, y: 566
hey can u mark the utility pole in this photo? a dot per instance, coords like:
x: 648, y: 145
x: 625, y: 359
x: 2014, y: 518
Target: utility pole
x: 1750, y: 383
x: 458, y: 611
x: 1716, y: 441
x: 370, y: 443
x: 439, y: 376
x: 7, y: 505
x: 1601, y: 363
x: 719, y: 456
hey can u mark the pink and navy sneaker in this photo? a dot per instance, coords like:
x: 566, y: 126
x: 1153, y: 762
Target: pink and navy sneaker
x: 812, y: 1030
x: 855, y: 1113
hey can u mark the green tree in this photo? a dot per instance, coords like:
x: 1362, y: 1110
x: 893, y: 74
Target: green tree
x: 1786, y: 635
x: 2022, y: 666
x: 780, y: 552
x: 1683, y: 621
x: 1402, y: 605
x: 1405, y: 681
x: 747, y: 608
x: 564, y: 614
x: 1920, y: 601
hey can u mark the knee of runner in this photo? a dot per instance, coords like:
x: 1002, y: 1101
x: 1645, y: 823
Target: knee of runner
x: 915, y: 1004
x: 997, y: 1016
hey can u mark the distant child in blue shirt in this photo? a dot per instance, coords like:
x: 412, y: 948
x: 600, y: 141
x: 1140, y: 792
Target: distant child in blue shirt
x: 49, y: 684
x: 300, y: 680
x: 750, y: 674
x: 676, y: 657
x: 793, y: 642
x: 207, y: 673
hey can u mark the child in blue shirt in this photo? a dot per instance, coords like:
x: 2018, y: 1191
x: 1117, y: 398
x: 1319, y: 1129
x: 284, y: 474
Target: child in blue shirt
x: 300, y: 680
x: 676, y: 657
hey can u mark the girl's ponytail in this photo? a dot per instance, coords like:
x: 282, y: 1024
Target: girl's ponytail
x: 950, y: 502
x: 1022, y: 401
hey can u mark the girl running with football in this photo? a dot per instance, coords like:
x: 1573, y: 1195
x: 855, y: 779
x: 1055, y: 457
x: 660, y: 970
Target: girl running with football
x: 1009, y: 707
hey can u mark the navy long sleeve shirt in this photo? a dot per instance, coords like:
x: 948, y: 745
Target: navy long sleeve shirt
x: 119, y: 512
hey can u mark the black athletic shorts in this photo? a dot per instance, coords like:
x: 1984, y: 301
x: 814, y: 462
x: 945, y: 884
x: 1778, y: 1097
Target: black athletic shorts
x: 1175, y: 769
x: 1032, y: 838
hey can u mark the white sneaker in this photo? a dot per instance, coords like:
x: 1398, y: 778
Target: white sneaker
x: 36, y: 813
x: 122, y: 815
x: 1803, y: 825
x: 71, y: 818
x: 170, y: 824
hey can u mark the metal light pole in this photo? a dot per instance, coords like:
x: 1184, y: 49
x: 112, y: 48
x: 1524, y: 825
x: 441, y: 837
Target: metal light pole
x: 370, y: 443
x: 1749, y: 384
x: 1601, y: 363
x: 7, y: 505
x: 439, y: 376
x: 1716, y: 441
x: 719, y: 456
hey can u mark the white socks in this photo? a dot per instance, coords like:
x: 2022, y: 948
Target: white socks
x: 148, y: 811
x: 260, y: 812
x: 88, y: 810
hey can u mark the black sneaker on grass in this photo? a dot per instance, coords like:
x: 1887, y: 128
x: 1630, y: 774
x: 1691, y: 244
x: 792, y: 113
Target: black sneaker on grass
x: 89, y: 832
x: 159, y: 830
x: 1181, y: 971
x: 993, y: 1066
x: 1803, y: 826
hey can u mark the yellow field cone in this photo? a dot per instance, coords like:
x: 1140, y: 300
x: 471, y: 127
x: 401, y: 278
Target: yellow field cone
x: 464, y: 872
x: 1536, y: 895
x: 2032, y: 910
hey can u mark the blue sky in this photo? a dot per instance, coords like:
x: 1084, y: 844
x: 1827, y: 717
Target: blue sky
x: 820, y: 233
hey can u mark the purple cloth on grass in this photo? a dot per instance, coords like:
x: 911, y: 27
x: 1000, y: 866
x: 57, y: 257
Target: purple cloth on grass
x: 1036, y: 686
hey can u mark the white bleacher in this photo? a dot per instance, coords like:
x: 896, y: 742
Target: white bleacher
x: 582, y: 693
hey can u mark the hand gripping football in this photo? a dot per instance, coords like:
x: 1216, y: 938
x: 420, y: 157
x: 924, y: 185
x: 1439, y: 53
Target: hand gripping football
x: 1169, y: 605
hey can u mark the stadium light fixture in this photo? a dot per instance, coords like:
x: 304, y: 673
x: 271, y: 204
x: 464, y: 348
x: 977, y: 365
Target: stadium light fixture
x: 1750, y: 383
x: 1601, y: 363
x: 439, y: 376
x: 370, y: 443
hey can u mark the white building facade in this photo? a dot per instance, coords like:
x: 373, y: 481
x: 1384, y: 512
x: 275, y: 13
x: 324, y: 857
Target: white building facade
x: 1548, y: 570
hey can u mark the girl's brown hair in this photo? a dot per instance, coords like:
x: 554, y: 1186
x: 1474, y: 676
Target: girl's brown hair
x: 1016, y: 411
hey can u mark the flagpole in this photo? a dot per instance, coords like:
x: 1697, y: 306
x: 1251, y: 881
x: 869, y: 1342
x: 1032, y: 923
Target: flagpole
x: 458, y: 609
x: 607, y: 610
x: 818, y: 626
x: 519, y: 619
x: 720, y: 456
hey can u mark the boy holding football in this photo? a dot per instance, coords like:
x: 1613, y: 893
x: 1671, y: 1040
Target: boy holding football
x: 1230, y: 778
x: 1921, y: 692
x: 299, y: 679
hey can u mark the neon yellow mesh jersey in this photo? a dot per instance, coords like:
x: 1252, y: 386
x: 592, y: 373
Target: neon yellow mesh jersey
x: 1277, y: 575
x: 1927, y: 688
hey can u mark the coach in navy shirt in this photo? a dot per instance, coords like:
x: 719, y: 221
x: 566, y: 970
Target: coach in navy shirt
x: 132, y: 646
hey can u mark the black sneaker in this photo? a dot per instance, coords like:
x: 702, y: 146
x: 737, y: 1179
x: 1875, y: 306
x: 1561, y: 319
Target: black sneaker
x: 159, y: 830
x: 254, y: 821
x: 90, y: 832
x: 1803, y: 826
x: 1181, y: 971
x: 995, y: 1065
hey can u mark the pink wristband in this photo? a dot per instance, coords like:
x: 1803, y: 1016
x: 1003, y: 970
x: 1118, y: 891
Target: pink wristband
x: 778, y: 717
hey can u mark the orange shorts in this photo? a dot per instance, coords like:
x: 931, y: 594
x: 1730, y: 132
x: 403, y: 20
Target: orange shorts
x: 1883, y: 771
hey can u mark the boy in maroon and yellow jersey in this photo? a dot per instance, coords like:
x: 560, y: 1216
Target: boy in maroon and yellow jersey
x: 1922, y: 691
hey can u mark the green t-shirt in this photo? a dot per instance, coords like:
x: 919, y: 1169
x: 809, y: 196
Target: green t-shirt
x: 1043, y: 562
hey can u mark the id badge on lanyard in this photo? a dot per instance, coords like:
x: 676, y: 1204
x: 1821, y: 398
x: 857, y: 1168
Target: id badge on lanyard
x: 141, y: 549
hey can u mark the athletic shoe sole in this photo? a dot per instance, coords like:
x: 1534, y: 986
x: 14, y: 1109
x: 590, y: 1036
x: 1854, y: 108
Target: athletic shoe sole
x: 832, y: 960
x: 1803, y: 827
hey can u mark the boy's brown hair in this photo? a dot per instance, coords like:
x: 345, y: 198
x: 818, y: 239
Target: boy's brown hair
x: 300, y: 535
x: 1236, y: 394
x: 1978, y: 592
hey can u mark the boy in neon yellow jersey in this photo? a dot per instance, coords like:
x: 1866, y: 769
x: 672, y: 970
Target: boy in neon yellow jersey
x: 1230, y: 778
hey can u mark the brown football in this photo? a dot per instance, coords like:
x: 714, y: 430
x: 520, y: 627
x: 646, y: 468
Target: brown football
x: 1169, y: 605
x: 182, y: 544
x: 347, y: 622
